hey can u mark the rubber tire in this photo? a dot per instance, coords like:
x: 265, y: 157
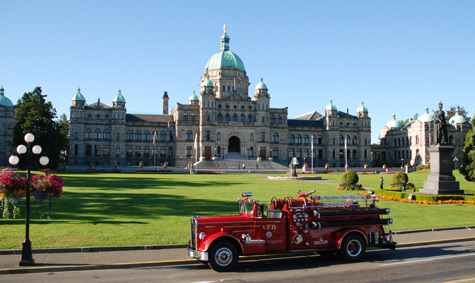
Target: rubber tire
x: 223, y: 256
x: 353, y: 247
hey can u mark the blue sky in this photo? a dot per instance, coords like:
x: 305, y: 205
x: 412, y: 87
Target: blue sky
x: 396, y: 56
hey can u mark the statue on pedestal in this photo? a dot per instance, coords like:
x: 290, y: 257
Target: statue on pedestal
x: 440, y: 135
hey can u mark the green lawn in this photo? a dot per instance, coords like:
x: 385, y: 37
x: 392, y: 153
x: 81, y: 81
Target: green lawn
x: 140, y: 209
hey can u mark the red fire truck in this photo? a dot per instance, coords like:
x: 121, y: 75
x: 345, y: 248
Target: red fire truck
x: 325, y: 224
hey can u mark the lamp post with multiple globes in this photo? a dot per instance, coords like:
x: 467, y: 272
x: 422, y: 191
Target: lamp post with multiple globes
x: 29, y: 150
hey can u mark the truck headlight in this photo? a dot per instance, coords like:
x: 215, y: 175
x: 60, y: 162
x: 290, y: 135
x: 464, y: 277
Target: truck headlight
x: 202, y: 236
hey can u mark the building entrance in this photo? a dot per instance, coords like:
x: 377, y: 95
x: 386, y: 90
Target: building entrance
x: 234, y: 144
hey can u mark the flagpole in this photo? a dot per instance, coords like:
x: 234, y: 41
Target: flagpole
x: 311, y: 148
x: 154, y: 149
x: 346, y: 154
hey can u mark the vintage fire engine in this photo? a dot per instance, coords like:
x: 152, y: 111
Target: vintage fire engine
x: 325, y: 224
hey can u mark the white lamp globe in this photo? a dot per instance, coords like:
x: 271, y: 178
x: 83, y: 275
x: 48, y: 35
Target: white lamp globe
x: 36, y: 149
x: 13, y: 160
x: 29, y: 137
x: 44, y: 160
x: 21, y: 149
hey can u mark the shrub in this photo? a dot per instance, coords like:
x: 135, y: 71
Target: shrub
x: 350, y: 178
x: 399, y: 177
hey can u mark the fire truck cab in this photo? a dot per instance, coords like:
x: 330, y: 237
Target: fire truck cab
x: 324, y: 224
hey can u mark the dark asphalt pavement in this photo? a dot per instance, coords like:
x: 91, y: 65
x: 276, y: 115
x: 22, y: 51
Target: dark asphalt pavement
x: 126, y: 257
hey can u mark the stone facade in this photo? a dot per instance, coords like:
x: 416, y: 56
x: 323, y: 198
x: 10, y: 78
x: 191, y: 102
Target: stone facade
x: 7, y: 122
x: 222, y: 121
x: 410, y: 143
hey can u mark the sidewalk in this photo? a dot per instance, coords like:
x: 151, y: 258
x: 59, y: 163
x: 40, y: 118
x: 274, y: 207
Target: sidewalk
x: 57, y: 260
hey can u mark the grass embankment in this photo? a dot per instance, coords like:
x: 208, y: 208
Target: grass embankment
x: 135, y: 209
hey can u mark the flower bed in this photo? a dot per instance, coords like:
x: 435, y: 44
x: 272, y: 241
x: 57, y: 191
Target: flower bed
x: 423, y: 199
x: 345, y: 187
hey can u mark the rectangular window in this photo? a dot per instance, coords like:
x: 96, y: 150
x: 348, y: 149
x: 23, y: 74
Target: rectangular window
x: 129, y: 151
x: 138, y: 151
x: 291, y: 153
x: 88, y: 150
x: 105, y: 150
x: 163, y: 151
x: 146, y: 151
x: 97, y: 150
x: 189, y: 151
x: 208, y: 136
x: 263, y: 136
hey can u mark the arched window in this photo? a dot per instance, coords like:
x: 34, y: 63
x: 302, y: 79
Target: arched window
x: 130, y: 135
x: 298, y: 140
x: 279, y: 120
x: 224, y: 88
x: 193, y: 117
x: 250, y: 118
x: 320, y: 140
x: 146, y: 136
x: 291, y: 139
x: 189, y: 136
x: 218, y: 136
x: 305, y: 140
x: 451, y: 139
x: 227, y: 117
x: 219, y: 117
x: 88, y: 134
x: 417, y: 139
x: 355, y: 140
x: 97, y: 134
x: 107, y: 134
x: 163, y: 136
x: 348, y: 140
x: 272, y: 119
x: 251, y: 137
x: 275, y: 138
x: 185, y: 117
x: 235, y: 117
x: 342, y: 141
x: 138, y: 135
x: 243, y: 118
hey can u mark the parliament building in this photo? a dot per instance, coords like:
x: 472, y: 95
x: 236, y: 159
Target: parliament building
x: 223, y: 121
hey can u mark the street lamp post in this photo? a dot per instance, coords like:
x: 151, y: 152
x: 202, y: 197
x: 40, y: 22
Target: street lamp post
x: 26, y: 253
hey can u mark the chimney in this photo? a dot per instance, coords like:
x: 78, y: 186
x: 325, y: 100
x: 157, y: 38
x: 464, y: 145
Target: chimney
x: 165, y: 103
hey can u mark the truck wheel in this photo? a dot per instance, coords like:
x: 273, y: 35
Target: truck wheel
x: 353, y: 247
x: 223, y: 256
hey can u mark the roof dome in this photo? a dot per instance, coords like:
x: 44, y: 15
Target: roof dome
x: 193, y: 97
x: 119, y: 97
x: 457, y: 118
x: 79, y: 96
x: 225, y: 58
x: 4, y: 101
x: 207, y: 82
x: 261, y: 85
x: 331, y: 107
x: 426, y: 117
x: 394, y: 123
x: 362, y: 108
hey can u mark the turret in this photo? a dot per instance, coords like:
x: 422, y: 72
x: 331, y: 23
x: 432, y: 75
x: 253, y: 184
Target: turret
x: 78, y: 100
x: 165, y: 103
x: 119, y: 101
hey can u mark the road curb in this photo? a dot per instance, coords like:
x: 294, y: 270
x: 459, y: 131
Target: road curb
x: 40, y: 269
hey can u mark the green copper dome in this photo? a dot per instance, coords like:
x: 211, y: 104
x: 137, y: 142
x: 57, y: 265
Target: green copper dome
x: 457, y: 118
x: 225, y: 58
x: 78, y: 96
x: 331, y: 107
x: 207, y: 82
x: 394, y: 123
x: 4, y: 101
x: 193, y: 97
x: 362, y: 108
x: 426, y: 117
x: 261, y: 85
x: 119, y: 97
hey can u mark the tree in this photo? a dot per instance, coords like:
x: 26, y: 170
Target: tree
x: 350, y: 178
x: 451, y: 112
x: 468, y: 163
x: 35, y: 115
x: 399, y: 177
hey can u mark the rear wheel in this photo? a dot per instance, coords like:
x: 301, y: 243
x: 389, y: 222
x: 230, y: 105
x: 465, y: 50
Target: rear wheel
x: 223, y: 256
x: 353, y: 247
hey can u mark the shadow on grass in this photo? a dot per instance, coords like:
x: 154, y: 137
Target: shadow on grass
x: 122, y: 200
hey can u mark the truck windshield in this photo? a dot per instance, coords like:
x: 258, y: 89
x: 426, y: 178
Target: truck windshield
x: 245, y: 207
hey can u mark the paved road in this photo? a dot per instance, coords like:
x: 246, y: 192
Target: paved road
x: 447, y: 262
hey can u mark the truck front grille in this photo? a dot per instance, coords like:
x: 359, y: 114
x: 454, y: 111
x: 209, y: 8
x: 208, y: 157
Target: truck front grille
x: 193, y: 232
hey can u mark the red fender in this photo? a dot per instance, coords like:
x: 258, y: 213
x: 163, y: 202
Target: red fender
x: 204, y: 246
x: 346, y: 232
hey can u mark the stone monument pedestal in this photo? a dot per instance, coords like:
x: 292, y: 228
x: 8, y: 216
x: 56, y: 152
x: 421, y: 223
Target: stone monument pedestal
x: 441, y: 181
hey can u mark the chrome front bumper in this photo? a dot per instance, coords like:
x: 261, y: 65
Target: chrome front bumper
x: 197, y: 254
